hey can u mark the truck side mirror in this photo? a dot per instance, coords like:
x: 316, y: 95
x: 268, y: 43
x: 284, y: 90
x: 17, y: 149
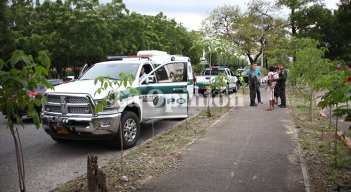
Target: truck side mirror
x: 151, y: 79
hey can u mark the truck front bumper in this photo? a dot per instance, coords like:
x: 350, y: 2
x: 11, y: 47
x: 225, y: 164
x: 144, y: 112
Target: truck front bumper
x: 81, y: 128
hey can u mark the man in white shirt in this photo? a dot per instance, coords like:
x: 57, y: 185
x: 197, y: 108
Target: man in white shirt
x: 142, y: 75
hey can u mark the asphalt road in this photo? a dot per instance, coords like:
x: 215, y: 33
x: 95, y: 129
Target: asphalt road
x: 48, y: 164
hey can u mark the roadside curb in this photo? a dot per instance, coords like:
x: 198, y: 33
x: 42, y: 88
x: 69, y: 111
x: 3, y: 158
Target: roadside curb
x: 303, y: 164
x: 306, y: 178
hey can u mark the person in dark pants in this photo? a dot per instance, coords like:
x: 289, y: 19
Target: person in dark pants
x: 258, y: 76
x: 252, y: 85
x: 281, y: 81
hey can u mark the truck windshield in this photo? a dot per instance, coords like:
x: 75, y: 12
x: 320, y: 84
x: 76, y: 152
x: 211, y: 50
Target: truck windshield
x: 110, y: 69
x: 214, y: 72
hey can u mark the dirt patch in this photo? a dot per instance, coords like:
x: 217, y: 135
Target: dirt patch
x: 151, y: 158
x: 328, y: 170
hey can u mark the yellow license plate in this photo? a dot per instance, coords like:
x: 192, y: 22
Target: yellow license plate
x: 62, y: 130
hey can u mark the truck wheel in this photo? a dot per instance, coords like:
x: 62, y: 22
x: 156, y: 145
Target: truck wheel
x: 130, y: 127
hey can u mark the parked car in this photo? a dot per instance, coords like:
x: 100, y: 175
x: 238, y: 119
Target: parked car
x: 37, y: 93
x: 240, y: 71
x: 208, y: 75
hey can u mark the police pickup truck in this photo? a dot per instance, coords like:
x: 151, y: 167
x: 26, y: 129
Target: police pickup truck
x: 207, y: 75
x: 69, y: 113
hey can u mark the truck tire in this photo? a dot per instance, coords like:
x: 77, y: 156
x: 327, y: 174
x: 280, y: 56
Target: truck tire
x: 130, y: 127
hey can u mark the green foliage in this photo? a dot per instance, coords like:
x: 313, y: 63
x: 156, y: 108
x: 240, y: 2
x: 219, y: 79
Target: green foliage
x: 79, y: 32
x: 20, y: 75
x: 311, y: 19
x: 342, y: 37
x: 250, y: 32
x: 198, y: 68
x: 310, y: 69
x: 220, y: 82
x: 338, y: 93
x: 117, y: 91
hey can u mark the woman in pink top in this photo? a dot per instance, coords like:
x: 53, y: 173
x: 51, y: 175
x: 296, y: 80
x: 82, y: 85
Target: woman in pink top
x: 270, y: 86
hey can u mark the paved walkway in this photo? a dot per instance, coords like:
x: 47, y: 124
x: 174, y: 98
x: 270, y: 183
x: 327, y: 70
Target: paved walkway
x: 249, y: 150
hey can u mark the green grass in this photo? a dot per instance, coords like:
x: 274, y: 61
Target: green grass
x: 317, y: 141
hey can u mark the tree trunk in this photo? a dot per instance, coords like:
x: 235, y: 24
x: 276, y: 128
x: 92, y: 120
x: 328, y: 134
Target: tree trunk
x: 91, y: 173
x: 292, y: 22
x: 311, y: 105
x: 336, y: 142
x: 250, y: 58
x: 19, y: 156
x: 330, y: 125
x: 97, y: 180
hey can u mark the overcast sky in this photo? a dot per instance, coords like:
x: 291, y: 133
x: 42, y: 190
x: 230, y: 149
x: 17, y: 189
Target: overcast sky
x: 191, y: 12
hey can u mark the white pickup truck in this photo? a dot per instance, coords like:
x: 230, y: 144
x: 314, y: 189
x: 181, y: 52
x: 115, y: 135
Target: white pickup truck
x: 69, y: 111
x: 207, y: 75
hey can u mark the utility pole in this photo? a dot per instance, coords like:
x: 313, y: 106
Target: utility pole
x: 262, y: 64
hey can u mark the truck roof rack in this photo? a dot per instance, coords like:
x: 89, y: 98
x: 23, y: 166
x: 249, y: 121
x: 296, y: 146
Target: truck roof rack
x: 158, y: 57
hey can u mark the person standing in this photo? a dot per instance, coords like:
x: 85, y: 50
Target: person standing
x: 270, y: 86
x: 276, y: 86
x: 258, y: 76
x: 252, y: 85
x: 281, y: 81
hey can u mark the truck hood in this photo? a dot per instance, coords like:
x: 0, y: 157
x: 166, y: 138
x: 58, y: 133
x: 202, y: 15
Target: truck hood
x: 84, y: 87
x: 204, y: 80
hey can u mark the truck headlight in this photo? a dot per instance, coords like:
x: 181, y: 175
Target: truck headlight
x: 108, y: 104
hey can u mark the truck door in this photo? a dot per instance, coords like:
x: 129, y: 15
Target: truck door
x: 232, y: 79
x: 166, y: 94
x: 190, y: 81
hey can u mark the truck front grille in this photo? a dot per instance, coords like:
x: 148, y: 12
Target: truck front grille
x: 77, y: 100
x: 53, y: 109
x: 68, y: 104
x: 79, y: 110
x: 54, y: 98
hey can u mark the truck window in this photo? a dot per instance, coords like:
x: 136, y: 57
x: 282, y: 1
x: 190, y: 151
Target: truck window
x: 229, y: 72
x: 214, y: 72
x: 110, y: 69
x: 170, y: 73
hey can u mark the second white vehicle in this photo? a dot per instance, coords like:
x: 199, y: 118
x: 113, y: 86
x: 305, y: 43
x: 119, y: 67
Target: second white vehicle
x: 207, y: 75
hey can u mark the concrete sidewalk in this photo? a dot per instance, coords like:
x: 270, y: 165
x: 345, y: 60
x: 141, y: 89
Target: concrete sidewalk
x: 250, y: 149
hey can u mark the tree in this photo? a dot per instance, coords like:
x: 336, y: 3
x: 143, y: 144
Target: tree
x: 249, y: 31
x: 195, y: 52
x: 309, y: 68
x: 21, y: 13
x: 89, y: 34
x: 51, y: 32
x: 6, y: 36
x: 294, y: 6
x: 342, y: 36
x: 18, y: 76
x: 77, y: 32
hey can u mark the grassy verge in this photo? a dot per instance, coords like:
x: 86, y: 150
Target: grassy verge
x: 318, y: 144
x: 152, y: 157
